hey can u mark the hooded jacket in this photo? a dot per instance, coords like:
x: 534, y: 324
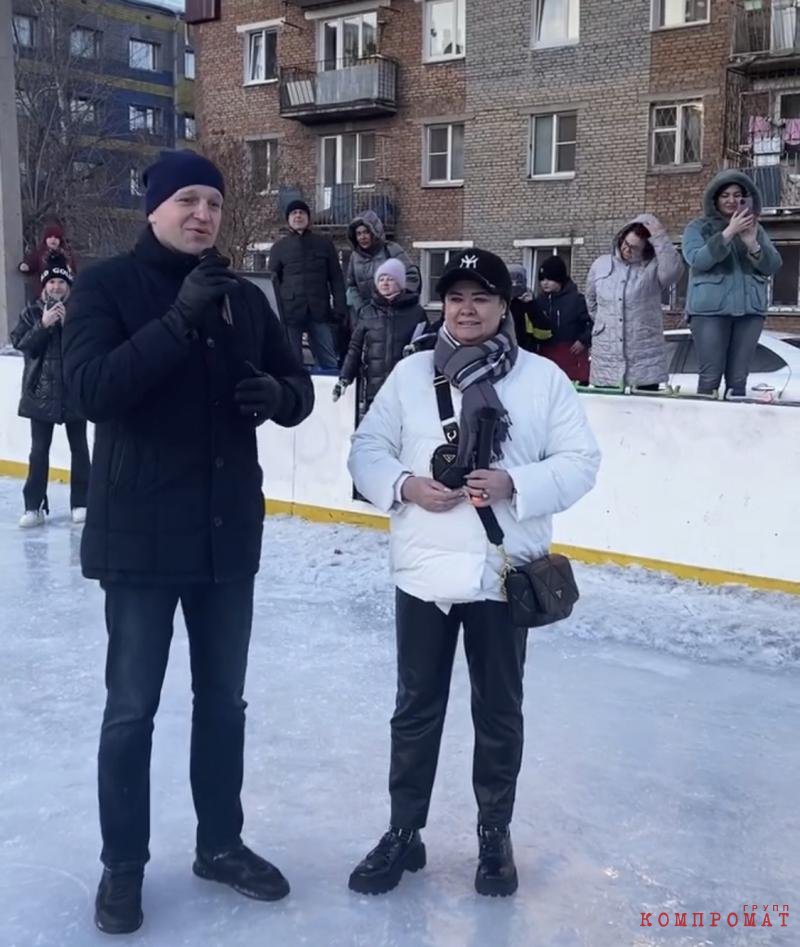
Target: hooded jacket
x: 360, y: 279
x: 383, y: 330
x: 624, y: 302
x: 724, y: 279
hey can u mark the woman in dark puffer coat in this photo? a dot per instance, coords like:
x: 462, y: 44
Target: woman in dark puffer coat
x: 385, y: 327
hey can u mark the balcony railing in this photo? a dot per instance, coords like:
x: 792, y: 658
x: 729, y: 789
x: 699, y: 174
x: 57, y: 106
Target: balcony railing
x: 766, y: 29
x: 318, y: 92
x: 778, y: 182
x: 339, y: 204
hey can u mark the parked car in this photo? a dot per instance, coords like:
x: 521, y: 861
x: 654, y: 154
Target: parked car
x: 775, y: 370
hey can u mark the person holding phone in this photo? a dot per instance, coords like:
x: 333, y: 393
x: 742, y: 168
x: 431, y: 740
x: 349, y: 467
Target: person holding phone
x: 44, y: 398
x: 177, y: 361
x: 731, y: 259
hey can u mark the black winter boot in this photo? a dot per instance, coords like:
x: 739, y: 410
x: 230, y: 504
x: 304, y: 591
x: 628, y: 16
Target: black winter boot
x: 399, y: 850
x: 118, y: 906
x: 497, y: 873
x: 244, y: 871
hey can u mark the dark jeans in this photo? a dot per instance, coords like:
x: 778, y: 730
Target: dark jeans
x: 35, y: 489
x: 320, y: 339
x: 725, y: 346
x: 139, y: 622
x: 426, y: 644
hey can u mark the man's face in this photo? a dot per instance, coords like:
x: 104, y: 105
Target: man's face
x: 364, y: 237
x: 53, y: 243
x: 550, y: 286
x: 298, y: 220
x: 57, y: 287
x: 189, y: 220
x: 472, y: 315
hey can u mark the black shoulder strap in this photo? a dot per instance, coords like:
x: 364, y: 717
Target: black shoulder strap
x: 447, y: 415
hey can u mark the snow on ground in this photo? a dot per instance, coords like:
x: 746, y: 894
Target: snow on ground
x: 660, y: 769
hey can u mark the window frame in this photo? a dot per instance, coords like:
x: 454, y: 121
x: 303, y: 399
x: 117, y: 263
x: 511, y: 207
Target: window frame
x: 155, y: 54
x: 273, y: 162
x: 425, y: 249
x: 339, y: 139
x: 680, y: 107
x: 537, y: 10
x: 96, y: 38
x: 191, y: 75
x: 552, y: 175
x: 341, y: 62
x: 187, y: 118
x: 449, y: 181
x: 657, y: 14
x: 32, y: 23
x: 460, y: 19
x: 249, y: 35
x: 533, y: 255
x: 156, y: 123
x: 136, y: 187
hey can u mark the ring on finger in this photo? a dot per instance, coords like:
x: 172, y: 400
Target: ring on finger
x: 484, y: 494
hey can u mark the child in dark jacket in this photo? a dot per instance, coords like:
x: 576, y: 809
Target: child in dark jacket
x: 564, y: 311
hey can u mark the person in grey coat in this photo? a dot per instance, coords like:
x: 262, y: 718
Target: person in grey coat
x: 370, y: 250
x: 731, y: 259
x: 623, y: 294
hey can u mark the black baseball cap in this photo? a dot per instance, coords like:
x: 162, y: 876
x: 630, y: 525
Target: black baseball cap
x: 479, y: 266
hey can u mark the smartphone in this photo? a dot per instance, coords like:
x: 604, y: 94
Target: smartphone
x: 746, y: 204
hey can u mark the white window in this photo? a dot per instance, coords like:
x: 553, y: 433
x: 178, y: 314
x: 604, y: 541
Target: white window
x: 83, y: 110
x: 677, y: 132
x: 144, y: 118
x: 553, y: 144
x: 24, y: 31
x: 444, y: 24
x: 348, y: 159
x: 261, y: 56
x: 137, y: 188
x: 444, y: 154
x: 347, y: 39
x: 433, y: 259
x: 556, y: 22
x: 189, y: 128
x: 84, y: 43
x: 668, y: 13
x: 535, y: 256
x: 264, y: 165
x: 188, y: 64
x: 143, y: 55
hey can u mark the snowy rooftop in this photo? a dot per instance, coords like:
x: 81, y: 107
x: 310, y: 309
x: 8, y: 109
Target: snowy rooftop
x: 660, y: 770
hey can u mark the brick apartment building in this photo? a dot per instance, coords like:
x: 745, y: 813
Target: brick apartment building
x: 527, y: 126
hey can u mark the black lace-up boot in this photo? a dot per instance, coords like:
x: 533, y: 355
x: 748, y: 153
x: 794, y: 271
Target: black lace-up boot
x: 497, y: 873
x: 244, y: 871
x: 399, y: 850
x: 118, y: 906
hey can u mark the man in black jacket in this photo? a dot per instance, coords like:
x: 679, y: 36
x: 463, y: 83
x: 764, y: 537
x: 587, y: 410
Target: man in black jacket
x: 176, y: 361
x: 308, y: 274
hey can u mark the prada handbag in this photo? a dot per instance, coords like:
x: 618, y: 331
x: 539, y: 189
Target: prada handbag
x: 540, y: 592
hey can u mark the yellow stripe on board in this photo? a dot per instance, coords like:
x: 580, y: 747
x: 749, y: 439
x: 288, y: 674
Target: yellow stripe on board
x: 323, y: 514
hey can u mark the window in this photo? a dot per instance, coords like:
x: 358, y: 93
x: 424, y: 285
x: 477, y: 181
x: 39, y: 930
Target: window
x: 444, y: 29
x: 84, y: 43
x: 434, y: 258
x: 348, y: 159
x: 23, y: 29
x: 137, y: 188
x: 144, y: 118
x: 261, y: 57
x: 556, y: 22
x: 264, y: 165
x: 553, y: 144
x: 83, y: 110
x: 189, y: 128
x: 785, y: 282
x: 143, y: 55
x: 535, y: 256
x: 445, y: 154
x: 679, y: 12
x: 347, y: 39
x: 188, y: 64
x: 677, y: 131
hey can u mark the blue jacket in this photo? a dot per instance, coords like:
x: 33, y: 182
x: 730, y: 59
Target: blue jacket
x: 724, y: 279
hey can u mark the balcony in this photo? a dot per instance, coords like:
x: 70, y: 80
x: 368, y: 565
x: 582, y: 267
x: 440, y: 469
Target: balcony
x: 766, y: 35
x: 313, y: 93
x: 778, y: 183
x: 338, y: 204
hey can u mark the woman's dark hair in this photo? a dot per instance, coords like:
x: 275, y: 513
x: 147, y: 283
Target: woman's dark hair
x: 640, y: 231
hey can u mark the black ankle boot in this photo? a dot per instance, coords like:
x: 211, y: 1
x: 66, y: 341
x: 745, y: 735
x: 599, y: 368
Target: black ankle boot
x: 118, y: 906
x: 497, y: 873
x: 244, y: 871
x: 399, y: 850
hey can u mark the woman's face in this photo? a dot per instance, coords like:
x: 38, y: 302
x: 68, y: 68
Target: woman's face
x: 364, y: 237
x: 53, y: 243
x: 728, y: 200
x: 387, y: 286
x: 632, y: 248
x: 472, y: 315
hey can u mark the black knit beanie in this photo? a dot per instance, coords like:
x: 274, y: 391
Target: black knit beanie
x: 177, y: 169
x: 555, y: 269
x: 298, y: 205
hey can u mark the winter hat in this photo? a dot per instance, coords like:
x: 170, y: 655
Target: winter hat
x: 480, y: 266
x: 298, y: 205
x: 519, y: 280
x: 53, y: 230
x: 56, y: 268
x: 395, y: 269
x: 555, y: 269
x: 177, y: 169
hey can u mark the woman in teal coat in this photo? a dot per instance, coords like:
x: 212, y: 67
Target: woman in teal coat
x: 731, y: 259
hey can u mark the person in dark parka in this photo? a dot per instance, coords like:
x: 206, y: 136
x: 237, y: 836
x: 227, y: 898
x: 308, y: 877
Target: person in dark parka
x: 44, y: 400
x: 177, y: 361
x: 564, y: 311
x: 308, y: 275
x: 385, y: 327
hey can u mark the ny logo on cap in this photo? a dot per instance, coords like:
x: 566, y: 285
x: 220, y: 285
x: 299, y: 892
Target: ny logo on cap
x: 469, y: 262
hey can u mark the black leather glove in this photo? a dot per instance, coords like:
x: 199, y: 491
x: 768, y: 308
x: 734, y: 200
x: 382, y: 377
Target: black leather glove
x: 259, y: 398
x: 208, y: 282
